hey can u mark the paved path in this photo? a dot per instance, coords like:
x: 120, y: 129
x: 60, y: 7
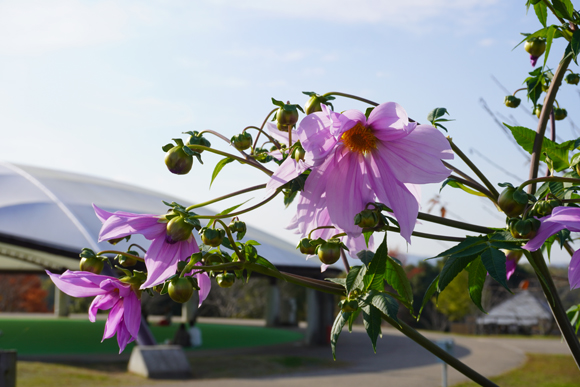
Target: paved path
x: 398, y: 362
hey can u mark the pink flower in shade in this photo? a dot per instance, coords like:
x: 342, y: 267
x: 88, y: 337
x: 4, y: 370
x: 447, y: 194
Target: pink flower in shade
x: 512, y: 258
x: 125, y: 315
x: 163, y: 255
x: 355, y: 160
x: 561, y: 218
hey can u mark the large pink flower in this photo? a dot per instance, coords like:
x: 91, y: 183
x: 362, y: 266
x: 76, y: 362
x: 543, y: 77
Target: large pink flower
x: 561, y: 218
x: 355, y: 161
x: 163, y: 255
x: 125, y: 315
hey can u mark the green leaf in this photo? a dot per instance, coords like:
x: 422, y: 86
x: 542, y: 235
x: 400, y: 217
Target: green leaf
x: 462, y: 246
x: 252, y: 242
x: 520, y: 196
x: 369, y: 111
x: 264, y: 262
x: 218, y: 167
x: 477, y: 276
x: 374, y: 278
x: 354, y: 279
x: 167, y: 147
x: 556, y: 188
x: 337, y: 326
x: 352, y: 318
x: 228, y: 210
x: 575, y: 160
x: 455, y: 265
x: 365, y: 256
x: 575, y: 45
x: 372, y: 322
x: 534, y: 86
x: 564, y: 8
x: 431, y: 290
x: 503, y: 236
x: 278, y: 103
x: 549, y: 37
x: 494, y: 262
x: 367, y: 236
x: 340, y: 281
x: 384, y: 303
x: 436, y: 113
x: 397, y: 278
x: 541, y: 33
x: 541, y: 12
x: 450, y: 181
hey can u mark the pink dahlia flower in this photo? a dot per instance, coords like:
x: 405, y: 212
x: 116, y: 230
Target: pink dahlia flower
x: 355, y: 160
x: 561, y: 218
x: 511, y: 262
x: 125, y: 315
x: 163, y: 255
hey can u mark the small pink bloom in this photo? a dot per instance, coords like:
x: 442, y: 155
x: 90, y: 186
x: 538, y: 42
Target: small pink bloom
x: 560, y: 218
x: 110, y: 293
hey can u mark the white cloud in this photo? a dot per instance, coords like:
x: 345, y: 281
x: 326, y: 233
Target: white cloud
x: 33, y: 27
x: 486, y: 42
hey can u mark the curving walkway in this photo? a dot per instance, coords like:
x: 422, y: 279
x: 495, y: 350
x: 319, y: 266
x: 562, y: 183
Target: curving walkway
x: 398, y: 362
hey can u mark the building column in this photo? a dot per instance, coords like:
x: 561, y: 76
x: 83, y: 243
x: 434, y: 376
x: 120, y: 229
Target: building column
x: 189, y: 309
x: 273, y: 303
x: 319, y: 316
x: 61, y: 303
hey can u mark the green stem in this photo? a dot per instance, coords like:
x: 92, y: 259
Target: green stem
x: 239, y: 212
x: 523, y: 88
x: 223, y: 266
x: 477, y: 187
x: 121, y: 253
x: 439, y: 352
x: 136, y: 245
x: 231, y: 195
x: 549, y: 178
x: 217, y: 134
x: 538, y: 262
x: 553, y: 11
x: 454, y: 223
x: 262, y: 127
x: 459, y: 172
x: 429, y: 236
x: 248, y: 160
x: 241, y: 255
x: 544, y: 116
x: 272, y: 140
x: 352, y: 97
x: 318, y: 228
x: 476, y: 170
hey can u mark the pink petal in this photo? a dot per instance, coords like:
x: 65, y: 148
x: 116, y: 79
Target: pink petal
x: 132, y: 313
x: 204, y: 284
x: 547, y: 229
x: 79, y: 283
x: 161, y: 259
x: 114, y: 319
x: 280, y: 136
x: 389, y: 122
x: 574, y: 271
x: 285, y: 172
x: 119, y: 226
x: 102, y: 302
x: 124, y: 337
x: 315, y: 137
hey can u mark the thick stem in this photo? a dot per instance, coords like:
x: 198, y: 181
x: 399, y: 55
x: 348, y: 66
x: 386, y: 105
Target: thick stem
x: 429, y: 236
x: 231, y: 195
x: 248, y: 160
x: 121, y: 253
x: 454, y: 223
x: 549, y: 178
x: 351, y: 97
x: 551, y: 293
x: 262, y: 127
x: 439, y: 352
x: 239, y: 212
x: 344, y: 261
x: 476, y: 170
x: 544, y: 116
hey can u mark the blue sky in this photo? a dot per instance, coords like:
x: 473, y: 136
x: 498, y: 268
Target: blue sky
x: 97, y: 87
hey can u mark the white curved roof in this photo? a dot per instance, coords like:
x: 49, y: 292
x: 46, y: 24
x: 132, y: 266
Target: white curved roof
x: 55, y: 207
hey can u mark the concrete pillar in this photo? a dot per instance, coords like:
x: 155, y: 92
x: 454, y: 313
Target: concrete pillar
x: 61, y: 303
x: 8, y: 368
x: 319, y: 316
x: 273, y: 303
x: 189, y: 309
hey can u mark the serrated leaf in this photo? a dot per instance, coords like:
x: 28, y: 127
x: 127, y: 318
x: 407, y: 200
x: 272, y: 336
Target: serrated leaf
x: 264, y: 262
x: 503, y: 236
x: 384, y: 303
x: 228, y: 210
x: 495, y: 264
x: 337, y: 326
x: 340, y: 281
x: 549, y: 38
x: 431, y: 290
x: 455, y: 265
x: 352, y: 318
x: 354, y: 279
x: 365, y: 256
x: 218, y: 167
x: 564, y: 8
x: 575, y: 45
x: 372, y: 319
x: 541, y: 12
x: 462, y: 246
x: 477, y: 276
x: 397, y: 278
x: 374, y: 278
x: 436, y: 113
x: 556, y: 188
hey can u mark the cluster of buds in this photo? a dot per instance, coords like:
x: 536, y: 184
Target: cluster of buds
x: 179, y: 157
x: 328, y: 251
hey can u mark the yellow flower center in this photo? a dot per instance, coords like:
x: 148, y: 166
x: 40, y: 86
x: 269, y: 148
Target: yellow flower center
x: 359, y: 139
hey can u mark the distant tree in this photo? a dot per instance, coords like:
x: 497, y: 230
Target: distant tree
x: 454, y: 302
x: 22, y: 293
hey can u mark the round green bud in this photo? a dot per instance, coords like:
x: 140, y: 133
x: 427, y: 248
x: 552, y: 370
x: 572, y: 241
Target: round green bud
x: 225, y: 280
x: 329, y: 252
x: 92, y: 265
x: 508, y: 204
x: 180, y: 290
x: 178, y: 230
x: 572, y: 78
x: 535, y: 46
x: 560, y: 114
x: 177, y: 161
x: 212, y: 237
x: 512, y: 101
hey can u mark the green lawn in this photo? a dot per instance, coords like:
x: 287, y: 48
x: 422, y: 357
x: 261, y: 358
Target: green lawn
x: 66, y: 336
x: 540, y: 371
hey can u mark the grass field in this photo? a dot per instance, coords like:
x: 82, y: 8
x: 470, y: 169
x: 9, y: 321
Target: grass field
x: 539, y: 371
x: 66, y: 336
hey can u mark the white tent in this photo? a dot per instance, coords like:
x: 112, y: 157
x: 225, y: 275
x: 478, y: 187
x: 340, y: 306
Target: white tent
x: 54, y: 208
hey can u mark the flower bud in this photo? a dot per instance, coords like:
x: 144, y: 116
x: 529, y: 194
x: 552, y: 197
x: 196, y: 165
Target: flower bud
x: 178, y: 230
x: 298, y: 153
x: 572, y: 78
x: 306, y: 247
x: 212, y: 237
x: 313, y: 105
x: 92, y: 265
x: 366, y: 219
x: 560, y: 114
x: 512, y: 101
x: 329, y: 251
x: 524, y: 228
x: 535, y: 47
x: 538, y: 110
x: 127, y: 261
x: 286, y: 115
x: 180, y: 289
x: 349, y: 306
x: 508, y: 204
x: 239, y: 228
x: 242, y: 141
x: 225, y: 280
x: 198, y: 139
x: 178, y: 161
